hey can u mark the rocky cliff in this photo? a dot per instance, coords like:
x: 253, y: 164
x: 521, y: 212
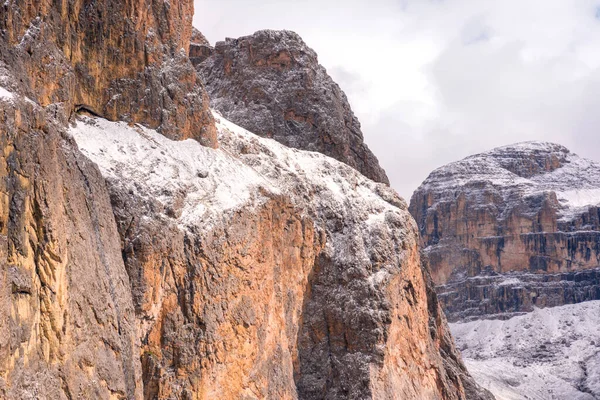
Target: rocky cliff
x: 287, y: 270
x: 120, y: 60
x: 272, y: 84
x: 67, y: 322
x: 512, y: 228
x: 138, y: 266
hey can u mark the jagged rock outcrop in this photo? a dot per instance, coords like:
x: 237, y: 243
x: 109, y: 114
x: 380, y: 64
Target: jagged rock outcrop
x: 271, y: 83
x: 155, y: 268
x: 122, y: 60
x: 260, y: 271
x: 200, y: 48
x: 490, y: 221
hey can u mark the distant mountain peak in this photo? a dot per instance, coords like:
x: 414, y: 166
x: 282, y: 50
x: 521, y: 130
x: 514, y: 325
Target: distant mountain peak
x: 528, y: 209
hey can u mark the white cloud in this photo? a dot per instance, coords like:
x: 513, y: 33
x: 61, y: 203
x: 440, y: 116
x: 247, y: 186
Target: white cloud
x: 433, y: 81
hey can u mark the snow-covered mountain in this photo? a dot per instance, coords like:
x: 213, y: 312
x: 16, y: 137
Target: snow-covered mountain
x: 328, y: 284
x: 525, y: 169
x: 492, y: 222
x: 551, y: 353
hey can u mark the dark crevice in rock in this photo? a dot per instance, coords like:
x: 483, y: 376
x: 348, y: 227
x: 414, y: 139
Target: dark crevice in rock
x: 83, y: 109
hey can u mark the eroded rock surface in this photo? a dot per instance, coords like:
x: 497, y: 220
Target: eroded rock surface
x: 200, y: 48
x: 491, y: 222
x: 121, y: 60
x: 271, y: 83
x: 503, y: 296
x: 260, y: 271
x: 67, y: 322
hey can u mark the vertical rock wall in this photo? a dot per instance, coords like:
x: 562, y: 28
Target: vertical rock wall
x: 123, y: 60
x: 512, y: 228
x: 67, y: 323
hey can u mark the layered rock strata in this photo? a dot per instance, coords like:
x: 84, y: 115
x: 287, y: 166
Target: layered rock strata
x: 491, y: 222
x: 272, y: 84
x: 506, y: 295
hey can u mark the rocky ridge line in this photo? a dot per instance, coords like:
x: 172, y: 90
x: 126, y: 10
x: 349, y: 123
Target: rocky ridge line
x: 272, y: 84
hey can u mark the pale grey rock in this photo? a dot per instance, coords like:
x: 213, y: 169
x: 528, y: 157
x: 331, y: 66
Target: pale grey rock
x: 272, y: 84
x: 512, y: 228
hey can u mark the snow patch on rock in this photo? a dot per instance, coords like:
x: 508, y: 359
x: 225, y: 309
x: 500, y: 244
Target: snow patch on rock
x: 204, y: 182
x: 578, y: 200
x: 5, y: 94
x: 523, y: 170
x: 199, y: 186
x: 551, y: 353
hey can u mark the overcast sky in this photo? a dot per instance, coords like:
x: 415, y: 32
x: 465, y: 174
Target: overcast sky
x: 433, y: 81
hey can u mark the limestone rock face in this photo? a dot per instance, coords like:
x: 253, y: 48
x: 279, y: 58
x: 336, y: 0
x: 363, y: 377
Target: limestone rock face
x: 200, y: 48
x: 510, y: 229
x: 137, y: 266
x: 271, y: 83
x: 260, y: 271
x: 121, y: 60
x: 67, y: 318
x: 67, y: 322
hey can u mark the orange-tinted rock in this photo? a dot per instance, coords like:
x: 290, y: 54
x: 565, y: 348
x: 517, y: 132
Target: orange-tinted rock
x: 255, y: 276
x: 67, y: 323
x: 121, y: 60
x: 512, y: 211
x: 304, y: 282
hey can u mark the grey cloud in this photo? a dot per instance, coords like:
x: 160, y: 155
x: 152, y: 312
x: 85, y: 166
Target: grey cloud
x: 475, y: 31
x: 352, y: 83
